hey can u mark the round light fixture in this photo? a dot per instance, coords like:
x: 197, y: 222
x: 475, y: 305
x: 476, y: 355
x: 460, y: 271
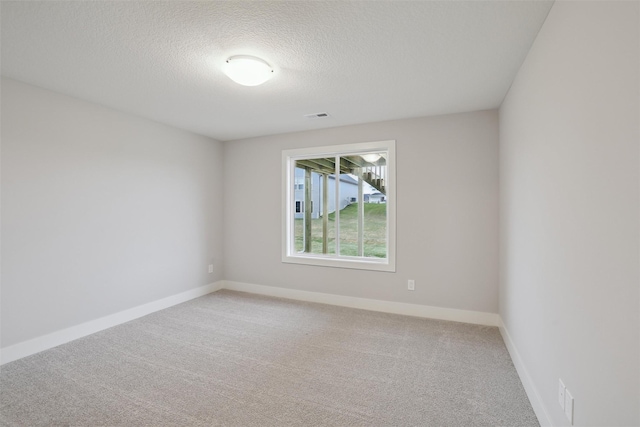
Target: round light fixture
x: 371, y: 157
x: 248, y: 70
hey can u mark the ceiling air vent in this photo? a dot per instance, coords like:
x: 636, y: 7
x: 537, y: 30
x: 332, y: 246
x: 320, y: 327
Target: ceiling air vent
x: 315, y: 116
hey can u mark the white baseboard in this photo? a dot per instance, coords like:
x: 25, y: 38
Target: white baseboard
x: 54, y: 339
x: 525, y: 378
x: 476, y: 317
x: 45, y: 342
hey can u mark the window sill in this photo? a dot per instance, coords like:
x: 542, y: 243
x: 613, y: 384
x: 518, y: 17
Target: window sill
x: 371, y: 264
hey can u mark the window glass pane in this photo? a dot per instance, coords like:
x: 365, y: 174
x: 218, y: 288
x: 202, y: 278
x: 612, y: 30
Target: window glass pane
x: 375, y: 229
x: 374, y: 173
x: 312, y: 234
x: 299, y: 209
x: 363, y: 215
x: 348, y: 218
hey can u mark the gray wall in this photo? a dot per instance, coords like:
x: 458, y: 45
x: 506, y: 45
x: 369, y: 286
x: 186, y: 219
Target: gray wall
x: 101, y: 211
x: 569, y: 135
x: 447, y: 210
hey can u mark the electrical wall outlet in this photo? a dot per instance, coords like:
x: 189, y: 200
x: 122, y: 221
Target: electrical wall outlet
x: 561, y: 390
x: 568, y: 406
x: 411, y: 285
x: 210, y: 268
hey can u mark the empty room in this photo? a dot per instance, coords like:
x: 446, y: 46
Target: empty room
x: 320, y: 213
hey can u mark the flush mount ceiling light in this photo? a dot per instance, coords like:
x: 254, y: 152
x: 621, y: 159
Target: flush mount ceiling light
x: 248, y: 70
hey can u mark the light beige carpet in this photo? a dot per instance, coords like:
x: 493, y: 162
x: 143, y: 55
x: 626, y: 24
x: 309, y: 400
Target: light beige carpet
x: 238, y: 359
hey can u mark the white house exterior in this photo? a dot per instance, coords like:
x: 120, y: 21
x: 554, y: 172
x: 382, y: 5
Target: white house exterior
x: 376, y: 197
x: 348, y: 193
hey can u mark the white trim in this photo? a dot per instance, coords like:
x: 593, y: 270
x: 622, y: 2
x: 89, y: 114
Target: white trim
x: 288, y: 206
x: 452, y: 314
x: 525, y: 378
x: 54, y: 339
x: 322, y: 260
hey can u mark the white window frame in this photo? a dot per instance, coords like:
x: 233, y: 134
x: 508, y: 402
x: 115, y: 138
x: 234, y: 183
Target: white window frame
x: 289, y: 255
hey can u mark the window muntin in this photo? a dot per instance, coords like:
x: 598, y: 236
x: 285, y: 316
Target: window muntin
x: 360, y: 232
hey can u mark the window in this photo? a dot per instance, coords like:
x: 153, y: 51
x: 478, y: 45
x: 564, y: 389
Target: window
x: 353, y: 188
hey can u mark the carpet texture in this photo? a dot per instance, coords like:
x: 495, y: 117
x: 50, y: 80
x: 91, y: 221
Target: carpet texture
x: 237, y: 359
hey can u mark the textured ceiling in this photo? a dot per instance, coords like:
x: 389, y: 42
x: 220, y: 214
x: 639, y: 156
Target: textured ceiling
x: 359, y: 61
